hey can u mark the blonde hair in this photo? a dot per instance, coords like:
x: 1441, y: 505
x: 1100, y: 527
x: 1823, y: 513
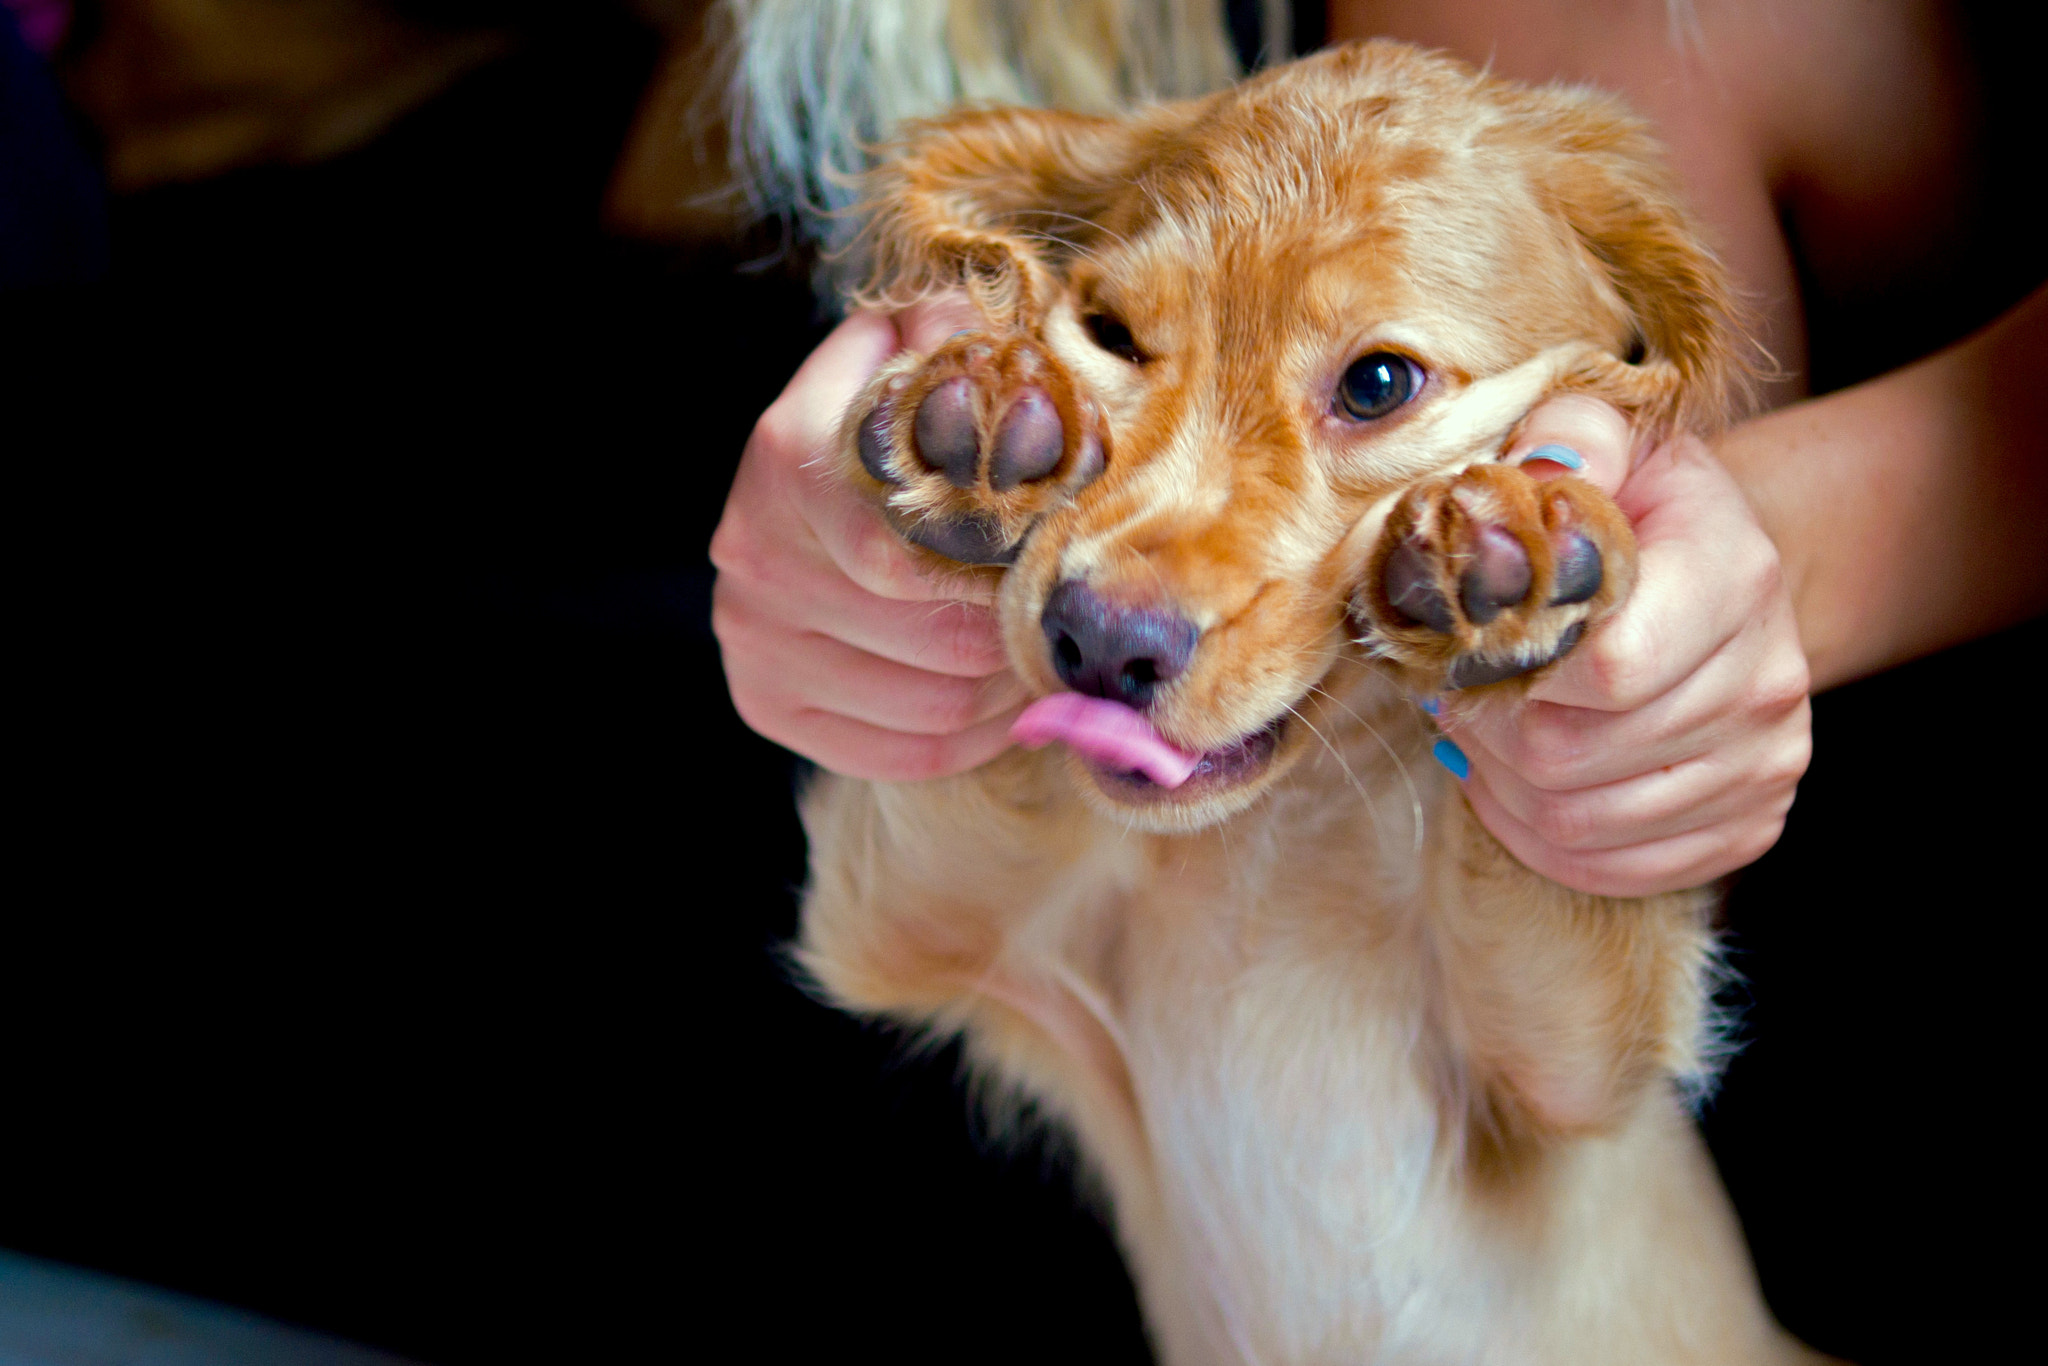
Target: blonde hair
x: 816, y: 85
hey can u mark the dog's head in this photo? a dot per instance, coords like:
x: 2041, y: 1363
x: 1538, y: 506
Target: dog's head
x: 1291, y: 299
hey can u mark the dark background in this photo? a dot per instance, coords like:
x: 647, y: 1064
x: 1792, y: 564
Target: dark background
x: 393, y: 942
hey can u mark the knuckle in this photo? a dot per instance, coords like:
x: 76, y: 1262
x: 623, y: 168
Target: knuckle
x: 1752, y: 843
x: 1757, y: 562
x: 780, y: 431
x: 954, y: 706
x: 1783, y: 685
x: 919, y: 758
x: 1788, y: 764
x: 950, y: 637
x: 735, y: 550
x: 1583, y: 872
x: 727, y: 620
x: 880, y: 563
x: 961, y: 636
x: 728, y: 546
x: 743, y: 631
x: 1544, y: 754
x: 1621, y: 662
x: 1565, y: 825
x: 763, y: 718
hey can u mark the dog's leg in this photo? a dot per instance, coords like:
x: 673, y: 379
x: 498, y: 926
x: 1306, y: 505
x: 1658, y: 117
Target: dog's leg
x: 1565, y: 1017
x: 979, y: 904
x: 1559, y: 1008
x: 1560, y: 1005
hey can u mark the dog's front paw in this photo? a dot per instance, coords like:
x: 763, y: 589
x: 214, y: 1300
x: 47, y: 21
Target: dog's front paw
x: 1489, y: 574
x: 975, y: 442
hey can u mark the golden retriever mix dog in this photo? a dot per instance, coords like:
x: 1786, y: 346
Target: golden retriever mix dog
x: 1359, y: 1086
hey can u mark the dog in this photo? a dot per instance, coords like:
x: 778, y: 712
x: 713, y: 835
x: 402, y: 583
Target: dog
x: 1359, y: 1087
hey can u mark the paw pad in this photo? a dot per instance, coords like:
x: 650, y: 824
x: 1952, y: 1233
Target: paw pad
x: 1487, y: 575
x: 979, y: 440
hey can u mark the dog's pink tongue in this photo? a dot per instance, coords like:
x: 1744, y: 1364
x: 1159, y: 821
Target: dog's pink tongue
x: 1108, y: 732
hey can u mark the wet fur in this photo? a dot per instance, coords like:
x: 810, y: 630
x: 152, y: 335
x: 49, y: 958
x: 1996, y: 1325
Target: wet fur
x: 1358, y: 1085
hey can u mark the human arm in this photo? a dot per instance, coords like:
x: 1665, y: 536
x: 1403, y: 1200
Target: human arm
x: 1912, y: 510
x: 1849, y: 533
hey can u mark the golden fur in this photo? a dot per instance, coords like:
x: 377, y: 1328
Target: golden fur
x: 1359, y: 1086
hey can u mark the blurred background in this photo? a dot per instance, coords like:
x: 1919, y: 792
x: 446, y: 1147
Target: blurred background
x: 392, y: 939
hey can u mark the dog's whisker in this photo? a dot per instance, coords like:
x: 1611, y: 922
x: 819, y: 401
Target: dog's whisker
x: 1086, y: 253
x: 1371, y: 808
x: 1400, y: 765
x: 1110, y: 233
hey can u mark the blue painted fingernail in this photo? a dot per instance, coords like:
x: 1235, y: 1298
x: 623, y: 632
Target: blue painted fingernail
x: 1563, y: 455
x: 1452, y: 758
x: 1432, y: 706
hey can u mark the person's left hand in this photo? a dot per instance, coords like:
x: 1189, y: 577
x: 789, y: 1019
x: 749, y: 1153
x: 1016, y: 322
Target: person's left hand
x: 1665, y: 750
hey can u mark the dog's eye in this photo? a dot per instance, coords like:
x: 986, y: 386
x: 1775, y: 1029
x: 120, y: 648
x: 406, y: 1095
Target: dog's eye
x: 1112, y: 336
x: 1377, y: 384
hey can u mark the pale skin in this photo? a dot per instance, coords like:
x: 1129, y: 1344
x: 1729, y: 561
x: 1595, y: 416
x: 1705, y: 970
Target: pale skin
x: 1820, y: 542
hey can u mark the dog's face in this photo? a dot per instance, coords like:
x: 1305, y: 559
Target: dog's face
x: 1290, y: 301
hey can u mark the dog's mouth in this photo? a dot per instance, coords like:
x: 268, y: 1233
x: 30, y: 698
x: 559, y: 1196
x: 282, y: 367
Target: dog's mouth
x: 1132, y: 762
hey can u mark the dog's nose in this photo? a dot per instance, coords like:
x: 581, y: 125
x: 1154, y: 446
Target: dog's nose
x: 1104, y: 649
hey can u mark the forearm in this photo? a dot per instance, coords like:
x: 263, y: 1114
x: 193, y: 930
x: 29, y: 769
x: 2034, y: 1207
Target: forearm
x: 1911, y: 512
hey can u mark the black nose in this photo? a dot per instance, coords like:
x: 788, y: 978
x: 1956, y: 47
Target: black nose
x: 1104, y: 649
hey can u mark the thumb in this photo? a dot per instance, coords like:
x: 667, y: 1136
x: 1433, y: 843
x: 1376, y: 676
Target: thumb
x: 928, y: 322
x: 1596, y: 433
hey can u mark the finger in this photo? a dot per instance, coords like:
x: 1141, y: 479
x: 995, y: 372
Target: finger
x: 925, y: 325
x: 817, y: 673
x: 1596, y: 432
x: 796, y: 437
x: 1704, y: 571
x: 1668, y: 865
x: 1655, y: 804
x: 831, y: 375
x: 866, y: 550
x: 956, y: 638
x: 1559, y: 748
x: 860, y: 750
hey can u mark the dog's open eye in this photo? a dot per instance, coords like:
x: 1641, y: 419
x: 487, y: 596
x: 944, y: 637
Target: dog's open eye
x: 1112, y: 336
x: 1376, y: 384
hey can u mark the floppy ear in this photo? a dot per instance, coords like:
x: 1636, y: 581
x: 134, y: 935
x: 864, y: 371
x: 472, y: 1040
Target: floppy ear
x: 998, y: 202
x: 1600, y: 170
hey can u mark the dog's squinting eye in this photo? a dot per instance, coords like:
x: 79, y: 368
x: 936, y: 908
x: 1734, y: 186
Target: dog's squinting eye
x: 1377, y: 384
x: 1112, y: 336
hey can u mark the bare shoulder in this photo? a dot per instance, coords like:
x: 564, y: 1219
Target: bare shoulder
x: 1830, y: 147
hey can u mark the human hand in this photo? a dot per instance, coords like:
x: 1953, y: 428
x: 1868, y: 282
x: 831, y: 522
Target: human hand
x: 839, y: 641
x: 1665, y: 750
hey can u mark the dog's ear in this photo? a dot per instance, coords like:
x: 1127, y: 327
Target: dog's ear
x: 1599, y: 169
x: 997, y: 202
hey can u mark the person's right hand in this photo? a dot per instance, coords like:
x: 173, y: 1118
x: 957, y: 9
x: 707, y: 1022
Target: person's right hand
x: 839, y: 641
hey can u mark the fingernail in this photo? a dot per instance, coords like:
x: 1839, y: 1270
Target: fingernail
x: 1563, y: 455
x: 1432, y: 706
x: 1452, y: 758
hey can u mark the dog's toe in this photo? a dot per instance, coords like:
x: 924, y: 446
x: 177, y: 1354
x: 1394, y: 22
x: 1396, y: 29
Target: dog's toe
x: 1497, y: 575
x: 1029, y: 441
x: 872, y: 444
x: 1489, y: 574
x: 946, y: 437
x: 1409, y: 581
x: 977, y: 441
x: 1476, y: 671
x: 970, y: 539
x: 1577, y: 576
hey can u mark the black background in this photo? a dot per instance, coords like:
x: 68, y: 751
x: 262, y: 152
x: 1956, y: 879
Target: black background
x: 393, y: 942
